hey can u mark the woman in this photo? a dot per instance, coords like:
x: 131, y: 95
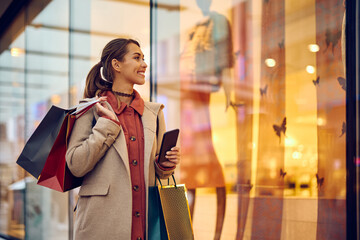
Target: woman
x: 114, y: 146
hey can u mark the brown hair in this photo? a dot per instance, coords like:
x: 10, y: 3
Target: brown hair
x: 117, y: 49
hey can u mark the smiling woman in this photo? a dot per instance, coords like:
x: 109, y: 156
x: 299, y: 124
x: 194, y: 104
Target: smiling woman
x: 117, y: 155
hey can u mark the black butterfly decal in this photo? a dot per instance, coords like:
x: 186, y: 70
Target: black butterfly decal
x: 332, y: 38
x: 278, y: 129
x: 235, y: 106
x: 320, y: 181
x: 282, y: 173
x: 281, y: 44
x: 342, y: 82
x: 263, y: 91
x: 317, y: 81
x: 343, y: 129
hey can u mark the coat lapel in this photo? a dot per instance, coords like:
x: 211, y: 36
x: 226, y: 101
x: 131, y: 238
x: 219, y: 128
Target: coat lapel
x: 120, y: 144
x: 149, y: 121
x: 121, y: 148
x: 149, y: 124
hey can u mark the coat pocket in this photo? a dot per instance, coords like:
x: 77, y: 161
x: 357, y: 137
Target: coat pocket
x: 91, y: 198
x: 99, y: 189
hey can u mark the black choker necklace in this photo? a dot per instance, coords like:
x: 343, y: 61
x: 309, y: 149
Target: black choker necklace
x: 124, y: 94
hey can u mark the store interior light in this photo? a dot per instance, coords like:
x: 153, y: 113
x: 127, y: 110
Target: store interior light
x: 310, y: 69
x: 270, y: 62
x: 55, y: 99
x: 15, y: 84
x: 321, y: 121
x: 313, y: 48
x: 15, y: 52
x: 290, y: 142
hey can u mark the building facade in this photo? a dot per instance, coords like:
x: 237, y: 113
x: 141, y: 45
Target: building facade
x: 265, y: 93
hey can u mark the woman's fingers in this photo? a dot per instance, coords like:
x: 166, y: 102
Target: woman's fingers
x: 102, y: 99
x: 168, y: 164
x: 173, y: 156
x: 102, y: 110
x: 173, y: 153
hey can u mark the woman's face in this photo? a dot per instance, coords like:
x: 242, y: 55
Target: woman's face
x: 133, y: 67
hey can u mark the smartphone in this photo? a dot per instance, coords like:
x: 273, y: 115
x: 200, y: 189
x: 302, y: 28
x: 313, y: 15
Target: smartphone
x: 169, y: 140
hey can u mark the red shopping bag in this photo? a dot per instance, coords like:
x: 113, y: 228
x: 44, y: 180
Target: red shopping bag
x: 56, y: 174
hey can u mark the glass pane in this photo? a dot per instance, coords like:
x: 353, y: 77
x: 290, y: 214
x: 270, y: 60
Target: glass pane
x: 12, y: 115
x: 34, y: 76
x: 257, y: 89
x: 94, y: 23
x: 47, y: 61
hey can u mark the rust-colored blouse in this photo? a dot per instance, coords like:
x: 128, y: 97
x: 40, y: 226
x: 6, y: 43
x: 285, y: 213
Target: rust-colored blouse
x: 130, y: 120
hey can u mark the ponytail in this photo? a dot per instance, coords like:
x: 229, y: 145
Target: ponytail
x: 94, y: 82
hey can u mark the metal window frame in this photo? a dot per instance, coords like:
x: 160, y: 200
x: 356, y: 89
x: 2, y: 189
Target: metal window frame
x: 352, y: 119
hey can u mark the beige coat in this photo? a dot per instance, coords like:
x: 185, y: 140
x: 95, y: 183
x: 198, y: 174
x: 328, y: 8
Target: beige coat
x: 99, y: 154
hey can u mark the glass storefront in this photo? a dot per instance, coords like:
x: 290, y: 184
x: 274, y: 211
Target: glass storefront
x: 257, y: 88
x: 261, y: 101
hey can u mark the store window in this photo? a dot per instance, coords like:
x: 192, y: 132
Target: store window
x: 34, y: 73
x: 258, y: 91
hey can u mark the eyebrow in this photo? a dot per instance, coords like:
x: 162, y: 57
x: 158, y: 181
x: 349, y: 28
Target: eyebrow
x: 137, y: 53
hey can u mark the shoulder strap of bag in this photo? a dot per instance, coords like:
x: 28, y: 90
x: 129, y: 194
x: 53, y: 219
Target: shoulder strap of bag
x: 157, y: 126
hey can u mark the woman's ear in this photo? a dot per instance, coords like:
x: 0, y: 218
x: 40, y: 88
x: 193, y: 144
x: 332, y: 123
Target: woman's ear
x: 116, y: 65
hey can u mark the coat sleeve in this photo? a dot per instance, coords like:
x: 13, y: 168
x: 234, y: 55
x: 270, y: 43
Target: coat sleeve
x: 163, y: 174
x: 88, y: 143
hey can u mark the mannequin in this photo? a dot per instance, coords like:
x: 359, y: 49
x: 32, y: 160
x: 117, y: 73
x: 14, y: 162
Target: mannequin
x: 205, y: 66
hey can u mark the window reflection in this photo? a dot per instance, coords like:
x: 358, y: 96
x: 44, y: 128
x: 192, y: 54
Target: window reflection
x: 205, y: 63
x: 287, y: 86
x: 257, y: 88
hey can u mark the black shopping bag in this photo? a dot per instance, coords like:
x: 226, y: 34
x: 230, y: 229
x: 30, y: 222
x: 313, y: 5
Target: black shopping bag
x: 37, y: 148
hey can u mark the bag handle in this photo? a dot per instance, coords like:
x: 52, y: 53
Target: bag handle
x: 172, y: 175
x: 82, y: 108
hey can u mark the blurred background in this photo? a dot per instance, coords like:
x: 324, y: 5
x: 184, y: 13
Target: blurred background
x: 257, y: 88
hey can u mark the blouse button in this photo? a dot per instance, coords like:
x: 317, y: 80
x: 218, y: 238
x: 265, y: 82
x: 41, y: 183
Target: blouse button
x: 132, y: 138
x: 139, y: 238
x: 136, y: 188
x: 137, y: 214
x: 134, y: 162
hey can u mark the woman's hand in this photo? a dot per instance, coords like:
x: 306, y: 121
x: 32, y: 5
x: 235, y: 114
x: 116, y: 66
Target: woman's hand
x: 173, y: 158
x: 103, y: 110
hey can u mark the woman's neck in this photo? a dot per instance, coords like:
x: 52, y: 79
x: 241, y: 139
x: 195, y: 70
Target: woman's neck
x: 126, y: 100
x: 124, y: 96
x: 123, y: 90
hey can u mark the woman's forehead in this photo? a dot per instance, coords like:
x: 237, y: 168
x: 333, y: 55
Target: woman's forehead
x: 133, y: 49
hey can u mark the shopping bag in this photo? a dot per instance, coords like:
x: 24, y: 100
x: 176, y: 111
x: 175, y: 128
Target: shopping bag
x: 175, y: 213
x: 55, y: 173
x: 38, y: 147
x: 156, y: 223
